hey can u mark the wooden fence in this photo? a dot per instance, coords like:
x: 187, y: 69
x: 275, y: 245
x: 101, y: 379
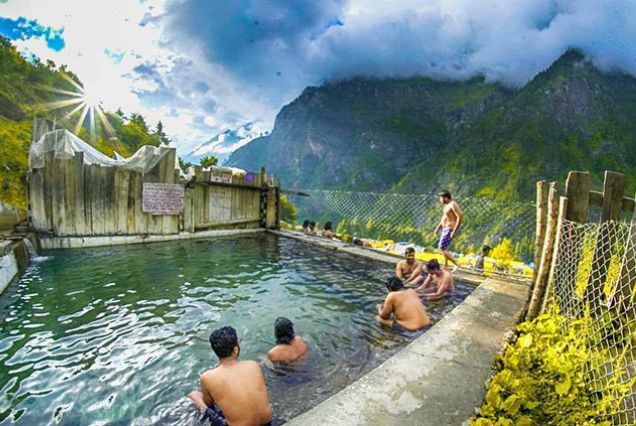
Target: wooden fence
x: 72, y: 198
x: 574, y: 206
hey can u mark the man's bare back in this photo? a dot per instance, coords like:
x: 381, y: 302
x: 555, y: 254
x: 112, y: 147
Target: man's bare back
x: 288, y: 352
x: 234, y: 391
x: 238, y: 389
x: 406, y: 307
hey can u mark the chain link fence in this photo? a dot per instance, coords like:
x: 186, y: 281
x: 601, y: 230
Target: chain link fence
x: 595, y: 275
x: 412, y: 218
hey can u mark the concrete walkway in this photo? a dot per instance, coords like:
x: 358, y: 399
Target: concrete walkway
x: 439, y: 379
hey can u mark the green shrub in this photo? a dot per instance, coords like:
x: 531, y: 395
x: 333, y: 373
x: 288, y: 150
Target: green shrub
x: 542, y: 378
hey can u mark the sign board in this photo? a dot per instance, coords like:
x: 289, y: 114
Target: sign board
x: 221, y: 177
x: 162, y: 198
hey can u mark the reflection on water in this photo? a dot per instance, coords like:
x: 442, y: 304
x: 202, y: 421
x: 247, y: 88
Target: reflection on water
x: 119, y: 336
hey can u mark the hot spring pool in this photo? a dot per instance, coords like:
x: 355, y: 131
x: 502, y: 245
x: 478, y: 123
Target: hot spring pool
x: 118, y: 336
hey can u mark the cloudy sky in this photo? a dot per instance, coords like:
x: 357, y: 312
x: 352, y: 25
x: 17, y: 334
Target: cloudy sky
x: 202, y: 66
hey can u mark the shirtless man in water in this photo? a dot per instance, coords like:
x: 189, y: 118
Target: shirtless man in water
x: 405, y: 305
x: 409, y: 268
x: 451, y: 220
x: 289, y: 347
x: 233, y: 392
x: 443, y: 280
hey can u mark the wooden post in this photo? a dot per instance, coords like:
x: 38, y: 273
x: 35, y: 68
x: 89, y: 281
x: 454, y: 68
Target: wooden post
x: 563, y: 208
x: 613, y: 190
x: 542, y: 214
x: 627, y: 275
x: 536, y: 301
x: 577, y: 191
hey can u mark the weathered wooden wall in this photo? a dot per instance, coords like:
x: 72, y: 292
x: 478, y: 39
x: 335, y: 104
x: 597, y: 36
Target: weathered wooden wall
x: 71, y: 198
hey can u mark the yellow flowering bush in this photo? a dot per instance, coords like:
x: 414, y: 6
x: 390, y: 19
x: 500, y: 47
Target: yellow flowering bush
x: 542, y: 378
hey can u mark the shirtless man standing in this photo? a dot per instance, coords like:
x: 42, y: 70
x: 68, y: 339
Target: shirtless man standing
x: 233, y: 392
x: 409, y: 268
x: 443, y: 280
x: 405, y: 305
x: 451, y: 219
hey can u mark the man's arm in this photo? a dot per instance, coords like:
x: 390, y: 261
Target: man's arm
x: 384, y: 311
x: 458, y: 214
x: 417, y: 272
x: 398, y: 271
x: 202, y: 398
x: 426, y: 283
x: 442, y: 288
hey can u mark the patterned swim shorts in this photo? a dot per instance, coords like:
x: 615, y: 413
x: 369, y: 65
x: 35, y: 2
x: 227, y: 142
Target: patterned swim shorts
x: 445, y: 238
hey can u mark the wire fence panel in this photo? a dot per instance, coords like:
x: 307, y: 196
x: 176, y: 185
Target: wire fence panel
x: 595, y: 275
x: 412, y: 218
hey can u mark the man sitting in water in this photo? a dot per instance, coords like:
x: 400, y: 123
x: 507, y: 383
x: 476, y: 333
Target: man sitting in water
x: 328, y: 230
x: 409, y: 269
x: 289, y: 347
x: 233, y: 392
x: 405, y: 305
x: 442, y: 279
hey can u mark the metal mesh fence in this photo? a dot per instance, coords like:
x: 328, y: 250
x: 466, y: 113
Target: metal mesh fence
x: 595, y: 275
x: 412, y: 218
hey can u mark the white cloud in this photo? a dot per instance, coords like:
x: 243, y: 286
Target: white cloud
x: 202, y: 66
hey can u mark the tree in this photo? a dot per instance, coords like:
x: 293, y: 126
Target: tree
x: 184, y: 164
x: 208, y: 161
x: 288, y: 210
x: 163, y: 138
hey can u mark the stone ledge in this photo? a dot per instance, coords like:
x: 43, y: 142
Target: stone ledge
x: 52, y: 243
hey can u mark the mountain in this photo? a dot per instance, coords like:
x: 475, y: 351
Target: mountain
x: 419, y: 134
x: 223, y: 144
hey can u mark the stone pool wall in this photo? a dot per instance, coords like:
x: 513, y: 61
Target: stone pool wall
x: 13, y: 258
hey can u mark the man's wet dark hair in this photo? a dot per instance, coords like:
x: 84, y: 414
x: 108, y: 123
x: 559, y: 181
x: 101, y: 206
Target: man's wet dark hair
x: 223, y: 340
x: 445, y: 194
x: 409, y: 250
x: 432, y: 265
x: 328, y: 226
x: 306, y: 223
x: 394, y: 284
x: 312, y: 224
x: 284, y: 331
x: 358, y: 242
x: 486, y: 248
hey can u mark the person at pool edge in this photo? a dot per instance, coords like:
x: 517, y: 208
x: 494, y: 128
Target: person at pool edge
x: 443, y: 280
x: 405, y: 305
x: 448, y: 225
x: 409, y: 268
x: 289, y: 347
x: 233, y: 392
x: 328, y: 231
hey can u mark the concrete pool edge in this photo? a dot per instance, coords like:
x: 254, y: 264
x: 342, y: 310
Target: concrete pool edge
x: 439, y: 378
x: 463, y: 274
x: 53, y: 243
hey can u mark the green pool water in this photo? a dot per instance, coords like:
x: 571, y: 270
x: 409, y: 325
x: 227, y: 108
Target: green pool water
x: 119, y: 336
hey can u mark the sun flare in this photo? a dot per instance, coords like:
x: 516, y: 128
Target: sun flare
x: 81, y: 103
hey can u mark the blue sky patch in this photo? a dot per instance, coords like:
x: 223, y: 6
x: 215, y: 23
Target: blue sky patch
x: 24, y: 29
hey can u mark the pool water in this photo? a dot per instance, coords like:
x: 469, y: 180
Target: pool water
x: 119, y: 336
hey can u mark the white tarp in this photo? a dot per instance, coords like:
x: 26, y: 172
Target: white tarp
x: 63, y: 144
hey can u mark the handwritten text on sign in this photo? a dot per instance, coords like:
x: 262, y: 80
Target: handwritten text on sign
x: 162, y: 198
x: 221, y: 177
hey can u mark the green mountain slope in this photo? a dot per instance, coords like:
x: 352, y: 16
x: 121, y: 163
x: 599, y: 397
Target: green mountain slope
x: 24, y: 94
x: 473, y: 137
